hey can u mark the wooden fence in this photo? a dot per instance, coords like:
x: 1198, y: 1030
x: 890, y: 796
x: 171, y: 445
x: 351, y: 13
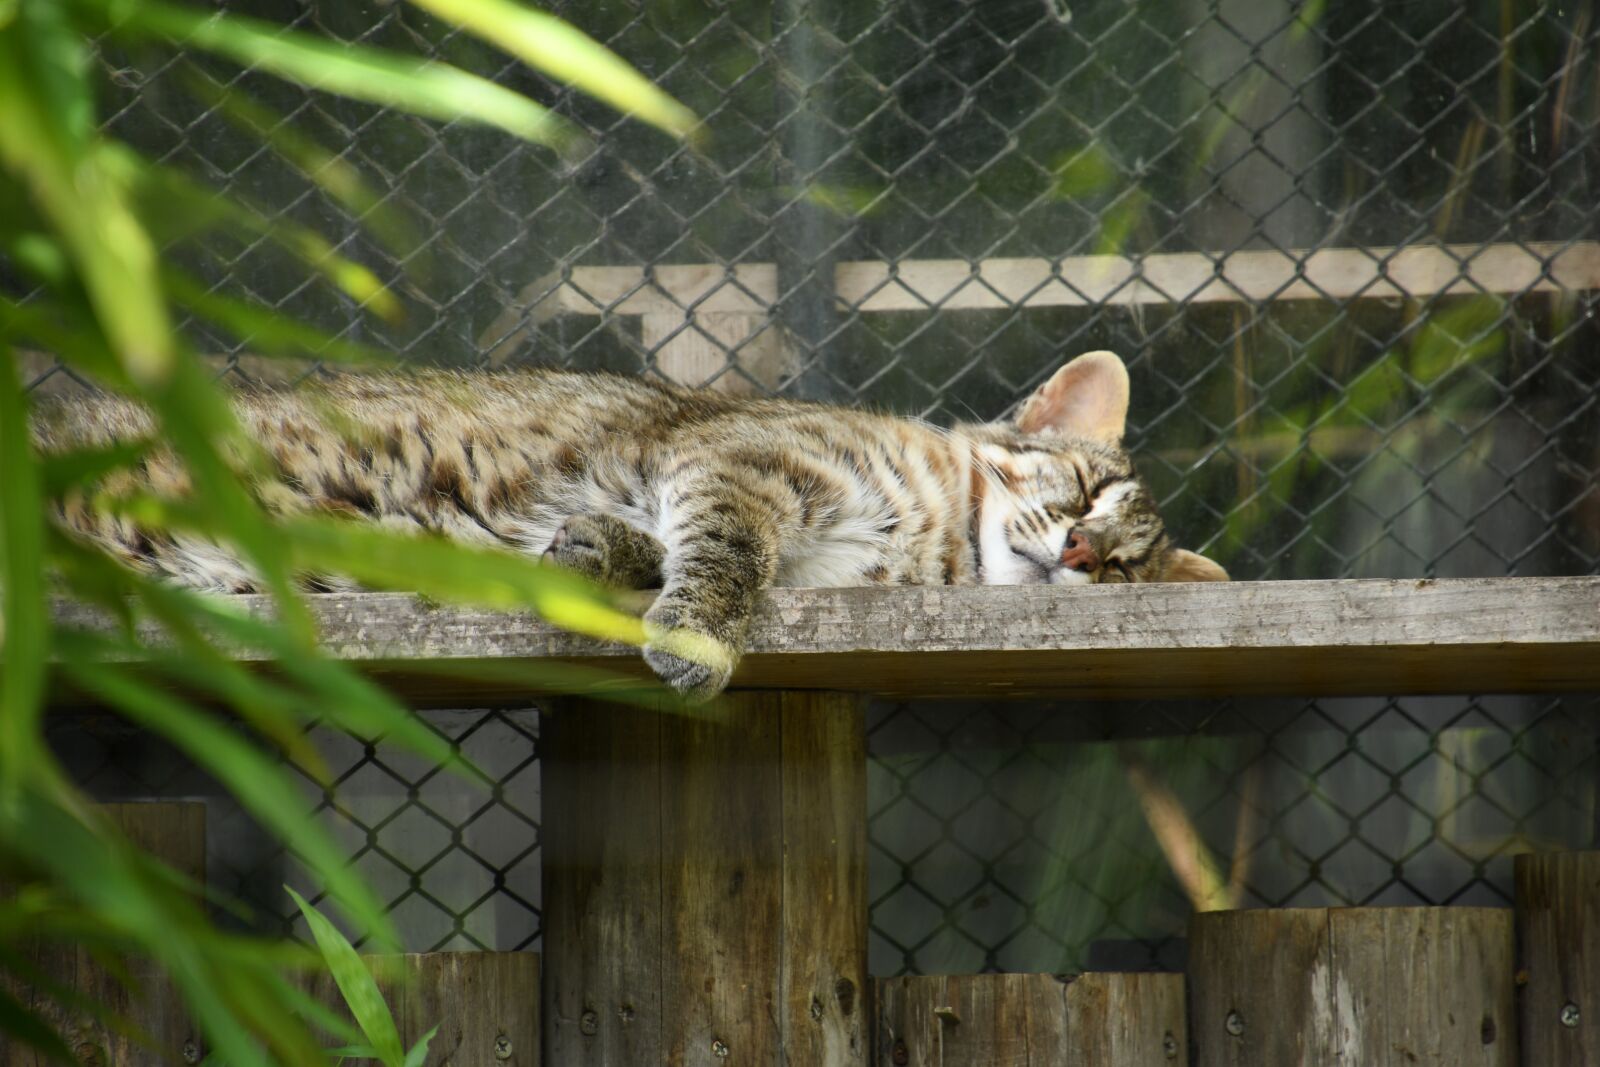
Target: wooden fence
x: 692, y: 316
x: 705, y: 895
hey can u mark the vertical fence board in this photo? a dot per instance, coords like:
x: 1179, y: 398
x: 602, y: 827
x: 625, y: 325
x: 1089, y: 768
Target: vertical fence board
x: 1558, y: 943
x: 484, y: 1004
x: 721, y: 895
x: 744, y: 884
x: 175, y: 833
x: 1423, y: 984
x: 1031, y: 1020
x: 601, y: 834
x: 824, y: 880
x: 1254, y: 968
x: 1318, y: 986
x: 1120, y: 1020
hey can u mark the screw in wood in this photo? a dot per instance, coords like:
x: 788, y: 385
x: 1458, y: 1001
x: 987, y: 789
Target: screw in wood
x: 1169, y: 1046
x: 191, y: 1052
x: 718, y: 1049
x: 1234, y: 1024
x: 589, y: 1023
x: 1569, y: 1015
x: 502, y: 1047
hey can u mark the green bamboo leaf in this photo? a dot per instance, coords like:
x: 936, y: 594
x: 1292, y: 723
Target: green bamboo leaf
x: 451, y: 572
x: 567, y: 54
x: 330, y: 171
x: 274, y: 711
x: 258, y: 782
x: 304, y: 1006
x: 28, y: 1028
x: 197, y: 419
x: 338, y: 694
x: 265, y: 331
x: 418, y: 1055
x: 61, y: 472
x: 25, y: 626
x: 425, y: 88
x: 356, y: 984
x: 174, y: 207
x: 43, y: 142
x: 358, y: 1052
x: 91, y: 864
x: 67, y: 331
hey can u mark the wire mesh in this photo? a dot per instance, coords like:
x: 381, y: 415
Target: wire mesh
x: 1350, y: 252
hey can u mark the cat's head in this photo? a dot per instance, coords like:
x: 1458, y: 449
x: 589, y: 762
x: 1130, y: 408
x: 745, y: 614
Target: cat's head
x: 1062, y: 503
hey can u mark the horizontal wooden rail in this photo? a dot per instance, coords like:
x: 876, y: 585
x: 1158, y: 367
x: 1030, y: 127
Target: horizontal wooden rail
x: 1323, y: 638
x: 701, y: 289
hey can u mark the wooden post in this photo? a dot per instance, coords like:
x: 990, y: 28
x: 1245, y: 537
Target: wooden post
x: 1036, y: 1020
x: 705, y: 882
x: 174, y: 833
x: 1339, y: 986
x: 1558, y: 948
x: 485, y: 1004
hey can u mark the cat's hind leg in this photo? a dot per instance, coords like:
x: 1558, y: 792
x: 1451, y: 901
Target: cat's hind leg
x: 607, y: 550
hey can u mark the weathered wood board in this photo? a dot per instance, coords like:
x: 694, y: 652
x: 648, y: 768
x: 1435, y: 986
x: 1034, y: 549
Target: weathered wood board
x: 1031, y: 1020
x: 686, y: 290
x: 1322, y: 638
x: 1330, y: 987
x: 704, y: 895
x: 174, y: 832
x: 1558, y: 954
x: 485, y: 1004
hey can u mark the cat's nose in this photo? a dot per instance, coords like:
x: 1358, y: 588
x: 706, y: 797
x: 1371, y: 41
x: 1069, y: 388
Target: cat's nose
x: 1079, y: 555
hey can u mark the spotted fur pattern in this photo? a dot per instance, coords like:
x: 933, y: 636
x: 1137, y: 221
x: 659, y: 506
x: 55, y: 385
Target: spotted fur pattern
x: 707, y: 497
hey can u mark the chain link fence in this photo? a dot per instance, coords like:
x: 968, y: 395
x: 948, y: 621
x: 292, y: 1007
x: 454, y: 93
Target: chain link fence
x: 1351, y: 253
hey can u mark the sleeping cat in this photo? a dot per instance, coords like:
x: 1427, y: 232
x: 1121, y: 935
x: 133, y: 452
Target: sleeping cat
x: 709, y: 498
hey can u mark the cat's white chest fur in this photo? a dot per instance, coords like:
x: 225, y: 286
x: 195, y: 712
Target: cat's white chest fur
x: 841, y: 552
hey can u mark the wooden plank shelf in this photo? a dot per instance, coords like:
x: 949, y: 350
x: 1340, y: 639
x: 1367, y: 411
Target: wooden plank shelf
x: 1321, y: 638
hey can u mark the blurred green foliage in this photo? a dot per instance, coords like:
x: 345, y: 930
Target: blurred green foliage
x: 92, y: 235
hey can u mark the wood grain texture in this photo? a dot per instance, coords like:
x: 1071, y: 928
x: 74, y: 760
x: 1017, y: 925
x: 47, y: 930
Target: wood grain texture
x: 1373, y: 986
x: 1324, y: 638
x: 1031, y: 1020
x: 704, y: 894
x: 602, y: 922
x: 176, y: 834
x: 485, y: 1004
x: 1558, y: 946
x: 1125, y: 1020
x: 722, y: 883
x: 1246, y: 276
x: 824, y: 966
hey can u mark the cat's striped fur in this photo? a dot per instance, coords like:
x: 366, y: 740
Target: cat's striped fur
x: 709, y: 497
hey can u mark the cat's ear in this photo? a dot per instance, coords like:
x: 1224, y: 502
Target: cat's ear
x: 1086, y: 398
x: 1186, y: 566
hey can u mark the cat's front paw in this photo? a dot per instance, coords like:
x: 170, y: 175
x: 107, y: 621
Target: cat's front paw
x: 691, y: 661
x: 580, y: 545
